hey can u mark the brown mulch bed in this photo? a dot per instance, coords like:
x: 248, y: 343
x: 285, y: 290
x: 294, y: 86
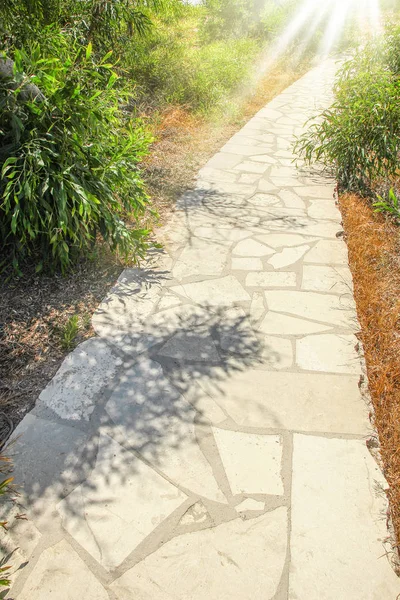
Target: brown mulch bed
x: 35, y: 309
x: 374, y: 253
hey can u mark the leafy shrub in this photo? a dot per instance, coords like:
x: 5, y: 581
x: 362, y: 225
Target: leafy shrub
x: 359, y: 135
x: 68, y: 158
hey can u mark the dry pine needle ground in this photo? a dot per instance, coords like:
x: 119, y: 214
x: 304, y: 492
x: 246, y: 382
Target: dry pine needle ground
x: 374, y: 253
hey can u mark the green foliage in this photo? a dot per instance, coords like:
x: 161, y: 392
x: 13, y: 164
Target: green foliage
x: 359, y: 136
x: 389, y: 204
x: 68, y: 160
x: 69, y: 332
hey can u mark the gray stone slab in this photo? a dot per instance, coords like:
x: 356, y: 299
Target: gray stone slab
x: 155, y: 420
x: 72, y: 392
x: 338, y: 523
x: 50, y: 459
x: 213, y: 564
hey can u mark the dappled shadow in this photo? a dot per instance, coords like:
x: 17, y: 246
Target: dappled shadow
x: 148, y: 444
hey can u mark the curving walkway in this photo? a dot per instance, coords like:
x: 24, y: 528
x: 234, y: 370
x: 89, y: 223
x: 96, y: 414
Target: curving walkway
x: 210, y: 443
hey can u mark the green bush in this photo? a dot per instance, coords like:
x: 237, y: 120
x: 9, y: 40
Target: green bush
x: 68, y: 158
x: 359, y: 135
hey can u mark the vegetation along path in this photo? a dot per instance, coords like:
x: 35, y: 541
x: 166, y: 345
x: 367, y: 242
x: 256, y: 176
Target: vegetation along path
x: 211, y: 442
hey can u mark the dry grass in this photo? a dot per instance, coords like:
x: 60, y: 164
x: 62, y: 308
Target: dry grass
x: 374, y: 252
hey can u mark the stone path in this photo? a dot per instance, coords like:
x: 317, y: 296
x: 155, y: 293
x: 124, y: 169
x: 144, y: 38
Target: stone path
x: 210, y: 443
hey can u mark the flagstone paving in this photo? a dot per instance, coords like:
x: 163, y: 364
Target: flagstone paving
x: 210, y: 442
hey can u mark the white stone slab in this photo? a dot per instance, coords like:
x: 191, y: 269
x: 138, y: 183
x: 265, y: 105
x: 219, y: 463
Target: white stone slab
x: 249, y: 504
x: 282, y: 240
x: 72, y: 392
x: 251, y: 247
x: 201, y: 258
x: 276, y: 353
x: 307, y: 402
x: 324, y: 210
x: 216, y: 292
x: 291, y: 199
x: 333, y: 280
x: 60, y: 574
x: 247, y: 264
x: 287, y: 257
x: 338, y: 523
x: 328, y: 252
x: 252, y: 462
x: 257, y: 307
x: 251, y: 167
x: 312, y: 305
x: 270, y: 279
x: 241, y: 559
x: 329, y: 353
x: 316, y: 191
x: 122, y: 501
x: 277, y: 324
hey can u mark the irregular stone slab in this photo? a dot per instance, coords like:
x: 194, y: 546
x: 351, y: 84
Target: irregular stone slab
x: 334, y: 280
x: 276, y: 353
x: 59, y: 571
x: 48, y: 462
x: 247, y: 264
x: 307, y: 402
x: 210, y: 174
x: 250, y: 167
x: 167, y: 301
x: 224, y: 160
x: 249, y: 178
x: 324, y: 210
x: 271, y: 279
x: 328, y: 252
x: 277, y: 324
x: 251, y: 247
x: 236, y: 333
x: 119, y: 505
x: 287, y: 257
x: 264, y: 158
x: 130, y: 300
x: 222, y: 234
x: 257, y: 307
x: 155, y: 420
x: 72, y: 392
x: 329, y: 353
x: 249, y: 504
x: 213, y: 563
x: 339, y: 508
x: 291, y: 199
x: 196, y: 345
x: 281, y: 240
x: 243, y: 453
x: 311, y: 305
x: 316, y: 191
x: 201, y: 258
x: 264, y: 200
x: 216, y: 292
